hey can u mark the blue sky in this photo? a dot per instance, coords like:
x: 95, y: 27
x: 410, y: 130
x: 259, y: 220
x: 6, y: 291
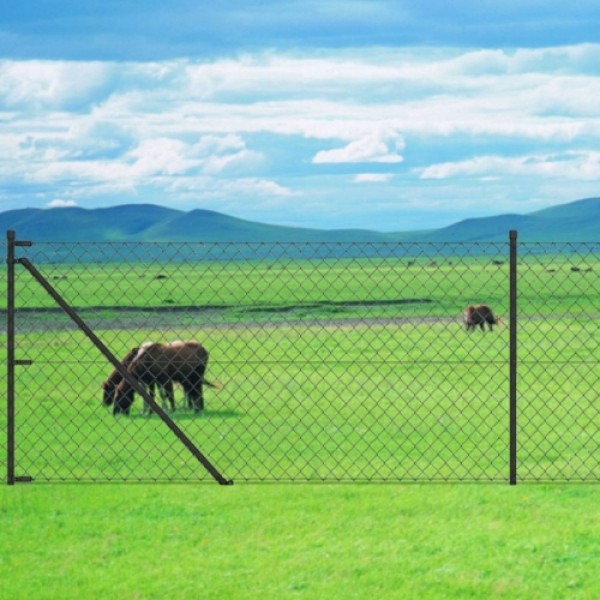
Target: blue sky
x: 329, y: 113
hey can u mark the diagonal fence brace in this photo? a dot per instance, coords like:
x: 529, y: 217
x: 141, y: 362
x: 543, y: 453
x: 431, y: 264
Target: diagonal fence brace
x: 124, y: 372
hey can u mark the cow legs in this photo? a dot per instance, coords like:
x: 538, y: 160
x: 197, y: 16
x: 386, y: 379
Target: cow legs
x: 193, y: 394
x: 187, y: 393
x: 198, y: 395
x: 123, y: 399
x: 167, y: 395
x: 150, y: 390
x: 189, y: 397
x: 165, y: 391
x: 192, y: 387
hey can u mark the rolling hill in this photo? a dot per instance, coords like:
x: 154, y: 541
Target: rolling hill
x: 577, y: 221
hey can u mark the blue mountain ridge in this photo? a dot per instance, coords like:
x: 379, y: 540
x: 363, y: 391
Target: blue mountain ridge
x: 577, y: 221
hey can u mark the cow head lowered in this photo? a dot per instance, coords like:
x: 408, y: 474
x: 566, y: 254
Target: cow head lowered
x: 114, y: 379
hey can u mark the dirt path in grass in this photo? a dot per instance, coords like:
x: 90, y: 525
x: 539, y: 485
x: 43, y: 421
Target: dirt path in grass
x: 227, y: 317
x: 230, y: 317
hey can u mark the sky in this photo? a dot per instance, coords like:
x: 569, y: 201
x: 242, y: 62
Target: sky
x: 385, y: 115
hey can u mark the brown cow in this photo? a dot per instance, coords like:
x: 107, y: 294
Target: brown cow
x: 109, y: 387
x: 479, y: 315
x: 162, y: 364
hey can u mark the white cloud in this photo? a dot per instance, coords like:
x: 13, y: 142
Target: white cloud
x: 188, y: 129
x: 243, y: 187
x: 225, y: 154
x: 376, y: 147
x: 373, y: 178
x: 160, y: 156
x: 211, y: 154
x: 43, y: 85
x: 570, y: 165
x: 262, y: 187
x: 239, y: 161
x: 61, y: 203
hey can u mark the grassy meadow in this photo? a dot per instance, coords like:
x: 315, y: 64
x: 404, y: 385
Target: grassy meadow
x: 306, y: 541
x: 349, y: 370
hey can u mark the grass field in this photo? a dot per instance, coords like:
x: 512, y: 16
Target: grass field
x: 308, y: 541
x: 353, y: 371
x: 350, y: 410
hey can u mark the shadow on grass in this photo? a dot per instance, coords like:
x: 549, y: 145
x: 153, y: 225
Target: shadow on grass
x: 183, y: 414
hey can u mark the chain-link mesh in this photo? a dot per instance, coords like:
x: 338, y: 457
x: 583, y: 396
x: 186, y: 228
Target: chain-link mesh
x: 339, y: 361
x: 559, y: 356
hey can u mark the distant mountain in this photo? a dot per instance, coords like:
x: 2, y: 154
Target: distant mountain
x: 210, y: 226
x: 72, y: 224
x: 577, y: 221
x: 147, y: 222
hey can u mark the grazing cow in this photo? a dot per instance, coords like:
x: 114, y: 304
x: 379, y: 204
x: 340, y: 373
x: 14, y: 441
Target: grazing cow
x: 479, y: 315
x: 162, y: 364
x: 109, y: 387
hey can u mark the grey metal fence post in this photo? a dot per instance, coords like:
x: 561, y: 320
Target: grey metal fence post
x: 513, y: 359
x: 11, y: 361
x: 10, y: 357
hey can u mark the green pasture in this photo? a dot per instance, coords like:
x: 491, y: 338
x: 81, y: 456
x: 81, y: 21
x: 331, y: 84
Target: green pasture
x: 432, y: 285
x: 336, y: 369
x: 263, y: 284
x: 330, y: 402
x: 339, y: 373
x: 351, y: 541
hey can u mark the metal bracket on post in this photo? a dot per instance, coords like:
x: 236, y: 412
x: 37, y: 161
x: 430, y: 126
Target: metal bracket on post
x: 513, y: 360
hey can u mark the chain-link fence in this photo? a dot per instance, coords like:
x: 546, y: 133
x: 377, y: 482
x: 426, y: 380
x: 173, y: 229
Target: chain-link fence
x: 336, y: 361
x: 559, y: 357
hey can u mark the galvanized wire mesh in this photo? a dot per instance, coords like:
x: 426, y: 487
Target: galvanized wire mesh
x: 559, y: 356
x: 339, y: 361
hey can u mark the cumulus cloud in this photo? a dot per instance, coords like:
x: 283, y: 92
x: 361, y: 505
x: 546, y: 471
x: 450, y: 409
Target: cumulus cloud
x: 569, y: 165
x: 244, y: 186
x: 52, y: 85
x: 57, y: 203
x: 262, y: 187
x: 160, y: 156
x: 376, y: 147
x: 267, y: 122
x: 172, y: 156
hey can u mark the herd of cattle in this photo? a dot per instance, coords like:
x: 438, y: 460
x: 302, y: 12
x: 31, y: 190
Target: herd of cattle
x: 158, y: 366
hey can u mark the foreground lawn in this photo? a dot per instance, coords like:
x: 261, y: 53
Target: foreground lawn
x: 308, y: 541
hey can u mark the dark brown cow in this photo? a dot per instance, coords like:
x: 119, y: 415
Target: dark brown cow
x: 109, y: 387
x: 163, y: 364
x: 479, y: 314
